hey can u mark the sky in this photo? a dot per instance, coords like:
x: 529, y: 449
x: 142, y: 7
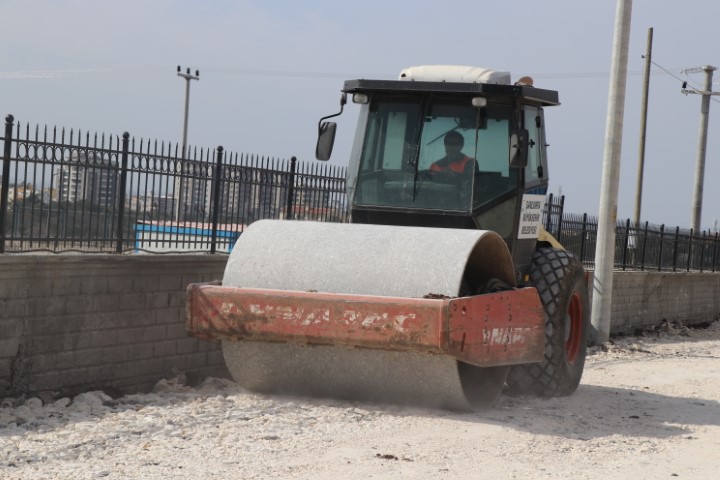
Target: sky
x: 270, y: 69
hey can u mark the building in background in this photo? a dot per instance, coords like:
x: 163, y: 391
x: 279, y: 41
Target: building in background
x: 193, y: 191
x: 248, y: 193
x: 87, y: 178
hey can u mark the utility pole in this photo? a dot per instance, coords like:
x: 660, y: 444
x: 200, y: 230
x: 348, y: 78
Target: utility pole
x: 702, y: 140
x: 187, y: 76
x: 605, y: 249
x: 643, y: 128
x: 180, y: 186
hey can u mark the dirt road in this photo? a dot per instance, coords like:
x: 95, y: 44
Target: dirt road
x: 647, y: 408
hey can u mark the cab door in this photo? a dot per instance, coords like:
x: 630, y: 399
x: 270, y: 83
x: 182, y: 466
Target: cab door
x: 536, y: 171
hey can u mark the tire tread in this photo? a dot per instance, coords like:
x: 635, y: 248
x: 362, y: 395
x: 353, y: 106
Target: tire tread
x: 554, y: 274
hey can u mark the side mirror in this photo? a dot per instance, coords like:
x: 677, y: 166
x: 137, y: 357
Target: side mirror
x: 519, y: 149
x: 326, y: 140
x: 326, y: 133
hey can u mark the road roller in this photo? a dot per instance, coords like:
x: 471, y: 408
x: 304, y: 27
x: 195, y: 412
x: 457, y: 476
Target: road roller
x: 443, y: 290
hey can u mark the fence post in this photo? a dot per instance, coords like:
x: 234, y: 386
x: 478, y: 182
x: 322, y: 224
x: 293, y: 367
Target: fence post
x: 548, y: 222
x: 217, y: 180
x: 662, y: 241
x: 625, y: 243
x: 645, y: 234
x: 675, y: 248
x: 5, y: 189
x: 690, y: 245
x: 123, y: 186
x: 702, y: 250
x: 714, y: 251
x: 291, y: 189
x: 560, y: 216
x: 584, y: 234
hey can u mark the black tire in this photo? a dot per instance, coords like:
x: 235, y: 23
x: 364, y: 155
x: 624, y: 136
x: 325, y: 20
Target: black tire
x: 560, y: 280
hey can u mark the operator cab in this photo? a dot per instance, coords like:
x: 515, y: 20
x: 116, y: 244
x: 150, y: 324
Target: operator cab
x: 396, y: 174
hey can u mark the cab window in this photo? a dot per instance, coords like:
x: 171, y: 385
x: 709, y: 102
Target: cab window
x: 536, y: 170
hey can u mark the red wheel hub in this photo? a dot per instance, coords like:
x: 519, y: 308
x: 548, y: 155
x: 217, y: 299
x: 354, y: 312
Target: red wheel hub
x: 573, y: 328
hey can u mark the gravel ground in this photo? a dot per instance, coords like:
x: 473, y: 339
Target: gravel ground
x: 647, y: 408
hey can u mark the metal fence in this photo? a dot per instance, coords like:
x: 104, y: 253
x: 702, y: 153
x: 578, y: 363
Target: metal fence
x: 66, y: 191
x: 641, y: 247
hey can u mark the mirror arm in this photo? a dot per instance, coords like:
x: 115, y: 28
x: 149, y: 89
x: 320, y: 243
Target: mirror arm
x: 343, y: 101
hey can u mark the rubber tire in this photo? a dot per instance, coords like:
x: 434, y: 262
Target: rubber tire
x: 560, y: 280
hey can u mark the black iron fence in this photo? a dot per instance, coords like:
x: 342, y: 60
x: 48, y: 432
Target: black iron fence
x: 70, y: 191
x: 67, y: 191
x: 639, y: 247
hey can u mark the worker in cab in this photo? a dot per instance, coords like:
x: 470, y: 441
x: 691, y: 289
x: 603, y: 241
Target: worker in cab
x: 454, y: 160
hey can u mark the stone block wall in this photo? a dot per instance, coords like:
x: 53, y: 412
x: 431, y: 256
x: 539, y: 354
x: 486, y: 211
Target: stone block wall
x: 69, y: 323
x: 644, y: 299
x: 76, y: 322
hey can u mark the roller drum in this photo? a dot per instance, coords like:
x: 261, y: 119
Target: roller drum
x: 365, y: 260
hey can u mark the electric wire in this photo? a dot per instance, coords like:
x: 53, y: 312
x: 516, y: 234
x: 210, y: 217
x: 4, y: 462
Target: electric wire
x: 686, y: 81
x: 60, y: 73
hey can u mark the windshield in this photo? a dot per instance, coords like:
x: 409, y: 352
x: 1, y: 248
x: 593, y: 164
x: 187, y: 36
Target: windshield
x: 431, y: 155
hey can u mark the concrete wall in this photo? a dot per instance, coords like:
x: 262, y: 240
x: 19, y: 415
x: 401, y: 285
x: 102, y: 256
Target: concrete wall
x: 70, y: 323
x: 644, y: 299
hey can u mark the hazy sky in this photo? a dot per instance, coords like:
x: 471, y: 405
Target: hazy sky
x: 270, y: 69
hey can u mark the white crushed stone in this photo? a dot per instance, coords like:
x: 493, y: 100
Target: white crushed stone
x: 648, y: 407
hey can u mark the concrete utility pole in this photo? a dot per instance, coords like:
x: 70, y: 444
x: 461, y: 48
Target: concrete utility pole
x: 181, y: 187
x: 643, y: 128
x: 605, y: 250
x: 702, y: 141
x: 187, y: 76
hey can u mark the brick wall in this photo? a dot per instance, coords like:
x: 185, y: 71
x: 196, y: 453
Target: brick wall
x: 68, y: 323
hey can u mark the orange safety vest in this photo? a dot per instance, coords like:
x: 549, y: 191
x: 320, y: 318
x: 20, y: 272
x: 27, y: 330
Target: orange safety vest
x: 457, y: 166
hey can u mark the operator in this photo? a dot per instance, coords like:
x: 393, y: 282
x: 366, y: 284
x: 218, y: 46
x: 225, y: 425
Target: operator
x: 454, y: 160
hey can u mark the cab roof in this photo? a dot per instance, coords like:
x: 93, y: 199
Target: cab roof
x: 524, y: 93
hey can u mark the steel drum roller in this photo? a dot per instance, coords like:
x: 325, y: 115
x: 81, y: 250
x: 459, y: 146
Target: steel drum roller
x: 365, y: 260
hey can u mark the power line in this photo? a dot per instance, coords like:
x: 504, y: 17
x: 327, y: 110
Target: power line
x: 60, y: 73
x: 684, y: 81
x: 29, y: 74
x: 666, y: 71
